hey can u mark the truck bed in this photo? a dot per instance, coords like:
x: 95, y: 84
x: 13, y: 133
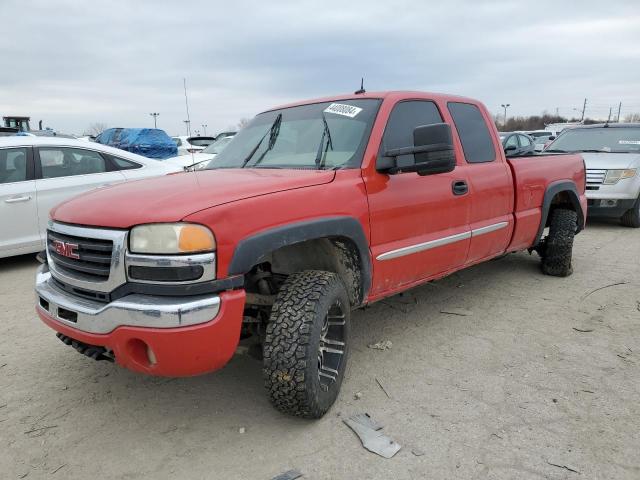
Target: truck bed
x: 531, y: 177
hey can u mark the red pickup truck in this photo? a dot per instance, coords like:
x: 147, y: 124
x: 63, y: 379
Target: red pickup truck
x: 314, y: 209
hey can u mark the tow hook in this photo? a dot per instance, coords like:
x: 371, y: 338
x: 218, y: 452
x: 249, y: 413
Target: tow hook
x: 91, y: 351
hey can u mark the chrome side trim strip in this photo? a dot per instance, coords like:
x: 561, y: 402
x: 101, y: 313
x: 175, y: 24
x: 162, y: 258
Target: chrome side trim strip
x: 401, y: 252
x: 488, y: 228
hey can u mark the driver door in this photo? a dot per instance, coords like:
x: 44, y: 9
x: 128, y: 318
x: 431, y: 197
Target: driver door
x: 419, y: 224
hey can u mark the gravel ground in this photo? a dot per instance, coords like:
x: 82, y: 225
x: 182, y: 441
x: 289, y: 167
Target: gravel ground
x: 529, y: 377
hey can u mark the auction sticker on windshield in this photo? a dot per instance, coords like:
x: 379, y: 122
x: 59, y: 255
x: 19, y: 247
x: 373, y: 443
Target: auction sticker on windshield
x: 342, y: 109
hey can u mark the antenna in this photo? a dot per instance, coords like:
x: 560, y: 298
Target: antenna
x: 362, y: 90
x: 186, y: 102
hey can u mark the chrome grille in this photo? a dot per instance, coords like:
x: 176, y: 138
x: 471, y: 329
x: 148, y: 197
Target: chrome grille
x: 94, y: 255
x: 595, y: 176
x: 100, y: 263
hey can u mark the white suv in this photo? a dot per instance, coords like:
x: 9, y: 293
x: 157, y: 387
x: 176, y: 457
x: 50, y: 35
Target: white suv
x: 612, y: 156
x: 37, y: 173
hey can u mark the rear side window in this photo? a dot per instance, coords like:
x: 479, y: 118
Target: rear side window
x: 67, y: 162
x: 122, y: 164
x: 473, y: 131
x: 404, y: 118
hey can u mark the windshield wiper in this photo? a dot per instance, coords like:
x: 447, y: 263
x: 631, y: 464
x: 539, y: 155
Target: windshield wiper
x: 320, y: 156
x: 555, y: 150
x: 273, y: 132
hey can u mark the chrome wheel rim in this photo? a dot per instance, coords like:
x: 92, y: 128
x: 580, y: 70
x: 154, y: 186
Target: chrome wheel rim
x: 331, y: 346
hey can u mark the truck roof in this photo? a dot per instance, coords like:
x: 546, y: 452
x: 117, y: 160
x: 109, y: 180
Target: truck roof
x: 394, y: 94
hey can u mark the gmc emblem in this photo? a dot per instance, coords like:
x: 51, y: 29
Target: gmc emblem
x: 66, y: 249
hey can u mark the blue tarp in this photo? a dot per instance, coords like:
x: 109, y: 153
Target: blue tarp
x: 148, y: 142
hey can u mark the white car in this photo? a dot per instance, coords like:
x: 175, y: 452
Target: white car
x: 194, y: 159
x: 37, y: 173
x: 188, y: 145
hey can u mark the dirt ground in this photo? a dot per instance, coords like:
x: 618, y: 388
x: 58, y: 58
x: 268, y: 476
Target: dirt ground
x: 534, y: 377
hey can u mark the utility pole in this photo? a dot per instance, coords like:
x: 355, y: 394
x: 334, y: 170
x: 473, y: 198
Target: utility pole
x: 584, y: 108
x: 155, y: 115
x: 186, y: 102
x: 505, y: 106
x: 204, y: 128
x: 609, y: 117
x: 619, y: 108
x: 557, y: 111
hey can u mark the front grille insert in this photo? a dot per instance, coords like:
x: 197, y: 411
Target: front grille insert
x: 86, y: 258
x: 596, y: 176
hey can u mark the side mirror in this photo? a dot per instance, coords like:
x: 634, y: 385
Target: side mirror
x: 552, y: 137
x: 432, y: 152
x: 510, y: 148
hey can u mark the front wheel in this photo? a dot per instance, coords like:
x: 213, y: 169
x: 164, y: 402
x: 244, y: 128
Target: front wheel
x: 306, y: 344
x: 631, y: 217
x: 558, y: 246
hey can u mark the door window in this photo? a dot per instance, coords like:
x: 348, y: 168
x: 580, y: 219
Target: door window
x: 511, y: 141
x: 524, y: 141
x: 13, y: 165
x: 404, y: 118
x: 122, y: 164
x: 473, y: 132
x: 66, y: 162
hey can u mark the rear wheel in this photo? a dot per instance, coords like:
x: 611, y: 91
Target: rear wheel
x: 306, y: 344
x: 558, y: 245
x: 631, y: 217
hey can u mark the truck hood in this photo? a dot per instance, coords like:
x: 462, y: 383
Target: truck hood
x: 172, y: 197
x: 611, y: 161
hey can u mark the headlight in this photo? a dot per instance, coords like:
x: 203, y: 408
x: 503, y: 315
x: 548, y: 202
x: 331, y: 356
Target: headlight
x: 613, y: 176
x: 171, y: 238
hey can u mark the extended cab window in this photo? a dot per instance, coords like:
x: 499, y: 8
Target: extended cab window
x: 65, y: 162
x: 473, y: 132
x: 404, y: 118
x: 13, y: 165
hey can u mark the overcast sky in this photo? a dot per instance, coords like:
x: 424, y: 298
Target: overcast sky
x: 75, y: 63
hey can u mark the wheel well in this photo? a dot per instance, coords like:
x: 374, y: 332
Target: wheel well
x: 339, y: 255
x: 560, y: 200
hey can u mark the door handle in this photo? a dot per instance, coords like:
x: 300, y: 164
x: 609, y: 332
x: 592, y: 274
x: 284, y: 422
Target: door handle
x: 26, y: 198
x: 459, y: 187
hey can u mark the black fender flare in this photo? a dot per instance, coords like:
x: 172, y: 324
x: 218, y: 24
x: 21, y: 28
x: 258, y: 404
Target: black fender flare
x: 552, y: 190
x: 253, y: 250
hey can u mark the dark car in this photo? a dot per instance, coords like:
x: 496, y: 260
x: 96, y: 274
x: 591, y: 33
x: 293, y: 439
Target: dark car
x: 517, y: 144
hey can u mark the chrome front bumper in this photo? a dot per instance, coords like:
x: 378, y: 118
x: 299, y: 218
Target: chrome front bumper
x: 134, y: 310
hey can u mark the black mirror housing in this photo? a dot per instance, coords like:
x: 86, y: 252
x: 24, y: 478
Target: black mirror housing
x: 432, y: 150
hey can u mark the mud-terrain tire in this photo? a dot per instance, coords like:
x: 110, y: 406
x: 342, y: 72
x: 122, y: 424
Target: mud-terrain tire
x: 631, y: 217
x: 556, y: 260
x: 311, y: 314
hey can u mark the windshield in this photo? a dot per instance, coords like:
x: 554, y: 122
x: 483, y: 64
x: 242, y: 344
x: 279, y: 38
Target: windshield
x: 295, y: 137
x: 605, y: 139
x: 217, y: 146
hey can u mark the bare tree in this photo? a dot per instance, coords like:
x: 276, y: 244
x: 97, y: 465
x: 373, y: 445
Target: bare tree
x: 96, y: 128
x: 243, y: 123
x: 632, y: 118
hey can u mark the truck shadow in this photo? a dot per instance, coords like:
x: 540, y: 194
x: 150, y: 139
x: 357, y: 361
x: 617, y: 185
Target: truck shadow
x: 235, y: 394
x: 18, y: 262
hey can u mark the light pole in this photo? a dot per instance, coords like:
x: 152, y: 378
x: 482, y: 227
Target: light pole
x: 204, y: 129
x: 155, y: 115
x: 188, y: 123
x: 505, y: 106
